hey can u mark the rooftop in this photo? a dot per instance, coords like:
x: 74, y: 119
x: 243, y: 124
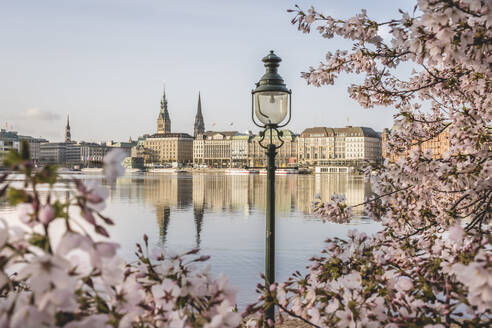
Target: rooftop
x: 348, y: 131
x: 170, y: 135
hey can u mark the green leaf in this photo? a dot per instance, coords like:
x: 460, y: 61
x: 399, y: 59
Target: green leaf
x: 59, y: 209
x: 25, y: 153
x: 47, y: 175
x: 12, y: 159
x: 102, y: 307
x: 16, y: 196
x: 39, y: 240
x: 62, y: 318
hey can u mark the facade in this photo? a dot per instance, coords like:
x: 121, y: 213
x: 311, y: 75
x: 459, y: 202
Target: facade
x: 52, y: 152
x: 349, y: 146
x: 133, y: 163
x: 438, y: 146
x: 92, y: 154
x: 72, y: 154
x: 213, y: 148
x: 286, y: 155
x: 9, y: 140
x: 169, y: 148
x: 60, y: 153
x: 240, y: 149
x: 163, y: 120
x: 199, y: 127
x: 199, y: 150
x: 125, y: 146
x: 34, y: 147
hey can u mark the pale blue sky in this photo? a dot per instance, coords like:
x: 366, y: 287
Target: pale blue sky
x: 104, y: 61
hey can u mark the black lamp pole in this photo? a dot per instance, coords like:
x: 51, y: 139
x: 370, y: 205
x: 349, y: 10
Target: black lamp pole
x: 271, y: 85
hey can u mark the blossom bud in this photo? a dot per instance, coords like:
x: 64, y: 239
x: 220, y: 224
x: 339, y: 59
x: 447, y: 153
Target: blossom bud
x: 193, y: 251
x: 203, y: 258
x: 46, y: 214
x: 270, y: 323
x: 273, y: 287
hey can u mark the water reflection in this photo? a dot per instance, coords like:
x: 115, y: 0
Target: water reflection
x: 218, y: 193
x: 225, y: 217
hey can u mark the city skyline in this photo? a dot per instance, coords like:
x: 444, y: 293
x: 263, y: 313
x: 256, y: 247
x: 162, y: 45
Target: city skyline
x: 104, y: 63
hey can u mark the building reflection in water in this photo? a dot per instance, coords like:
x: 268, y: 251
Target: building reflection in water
x: 213, y: 193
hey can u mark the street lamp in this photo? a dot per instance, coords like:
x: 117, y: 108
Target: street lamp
x: 270, y: 104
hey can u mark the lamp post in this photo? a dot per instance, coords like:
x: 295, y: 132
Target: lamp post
x: 270, y: 104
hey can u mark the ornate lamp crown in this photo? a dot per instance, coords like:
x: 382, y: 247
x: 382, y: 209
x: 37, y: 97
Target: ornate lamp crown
x: 271, y: 80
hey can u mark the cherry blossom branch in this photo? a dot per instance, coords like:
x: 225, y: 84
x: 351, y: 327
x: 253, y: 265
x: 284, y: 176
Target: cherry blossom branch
x: 296, y: 316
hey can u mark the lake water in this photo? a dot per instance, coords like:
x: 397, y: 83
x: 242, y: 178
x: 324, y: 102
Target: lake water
x: 224, y: 215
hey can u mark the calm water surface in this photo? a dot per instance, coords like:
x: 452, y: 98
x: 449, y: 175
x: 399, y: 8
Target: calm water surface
x: 224, y: 215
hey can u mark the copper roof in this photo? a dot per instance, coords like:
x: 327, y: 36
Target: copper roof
x: 348, y: 131
x: 171, y: 135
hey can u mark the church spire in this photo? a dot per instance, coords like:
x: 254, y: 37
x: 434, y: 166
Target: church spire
x: 68, y: 135
x: 199, y: 127
x: 163, y: 100
x: 163, y: 120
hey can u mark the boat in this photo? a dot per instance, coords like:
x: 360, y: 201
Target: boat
x: 92, y: 169
x: 241, y: 171
x: 281, y: 171
x: 286, y: 171
x: 132, y: 170
x: 166, y: 170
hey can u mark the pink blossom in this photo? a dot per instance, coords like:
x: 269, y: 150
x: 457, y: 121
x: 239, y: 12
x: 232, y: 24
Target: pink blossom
x: 404, y: 284
x: 112, y: 164
x: 46, y: 214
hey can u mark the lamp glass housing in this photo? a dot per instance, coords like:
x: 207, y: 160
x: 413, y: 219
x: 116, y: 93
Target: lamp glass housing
x: 271, y: 107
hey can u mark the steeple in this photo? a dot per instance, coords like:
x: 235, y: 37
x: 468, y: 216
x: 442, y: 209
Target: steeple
x: 199, y: 124
x: 68, y: 135
x: 163, y: 120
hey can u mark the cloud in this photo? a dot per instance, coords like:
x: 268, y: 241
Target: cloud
x: 38, y: 114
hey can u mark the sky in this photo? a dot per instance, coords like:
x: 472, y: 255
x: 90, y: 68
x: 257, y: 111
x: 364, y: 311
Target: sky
x: 104, y: 62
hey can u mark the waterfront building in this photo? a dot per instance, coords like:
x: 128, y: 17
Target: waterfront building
x: 60, y: 153
x: 438, y: 146
x: 167, y: 148
x: 34, y: 146
x: 349, y: 146
x: 125, y: 146
x: 213, y: 148
x: 240, y: 149
x: 286, y: 155
x: 72, y: 154
x: 9, y: 140
x: 163, y: 120
x: 139, y: 151
x: 133, y: 163
x: 52, y: 152
x: 199, y: 127
x: 92, y: 154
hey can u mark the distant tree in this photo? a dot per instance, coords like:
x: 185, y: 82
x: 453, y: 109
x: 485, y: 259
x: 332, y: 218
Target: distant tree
x: 431, y: 265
